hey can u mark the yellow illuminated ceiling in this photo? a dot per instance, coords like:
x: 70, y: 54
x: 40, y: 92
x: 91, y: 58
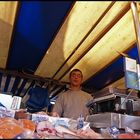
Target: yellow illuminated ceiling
x: 90, y: 39
x: 7, y: 19
x: 92, y: 36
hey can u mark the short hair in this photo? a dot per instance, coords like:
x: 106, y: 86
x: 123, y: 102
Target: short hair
x: 76, y: 70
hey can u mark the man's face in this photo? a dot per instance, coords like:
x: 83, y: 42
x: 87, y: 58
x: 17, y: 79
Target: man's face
x: 76, y: 78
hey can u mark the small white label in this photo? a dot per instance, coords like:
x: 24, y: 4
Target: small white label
x: 16, y: 103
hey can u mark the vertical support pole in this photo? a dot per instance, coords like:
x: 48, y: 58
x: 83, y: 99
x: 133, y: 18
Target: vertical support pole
x: 136, y: 24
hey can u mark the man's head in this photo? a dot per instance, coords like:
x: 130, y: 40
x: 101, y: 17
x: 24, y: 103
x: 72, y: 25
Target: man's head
x: 76, y: 77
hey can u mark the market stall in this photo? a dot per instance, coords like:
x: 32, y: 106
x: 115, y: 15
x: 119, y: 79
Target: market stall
x: 92, y: 36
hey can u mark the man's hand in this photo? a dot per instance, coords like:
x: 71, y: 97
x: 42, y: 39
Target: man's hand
x: 55, y: 114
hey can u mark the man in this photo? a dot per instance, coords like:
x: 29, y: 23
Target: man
x: 72, y: 103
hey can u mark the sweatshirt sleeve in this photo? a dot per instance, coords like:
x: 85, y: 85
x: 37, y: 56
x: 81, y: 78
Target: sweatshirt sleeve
x: 58, y: 107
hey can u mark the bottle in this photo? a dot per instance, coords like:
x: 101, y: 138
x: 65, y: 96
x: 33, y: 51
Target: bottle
x: 80, y: 122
